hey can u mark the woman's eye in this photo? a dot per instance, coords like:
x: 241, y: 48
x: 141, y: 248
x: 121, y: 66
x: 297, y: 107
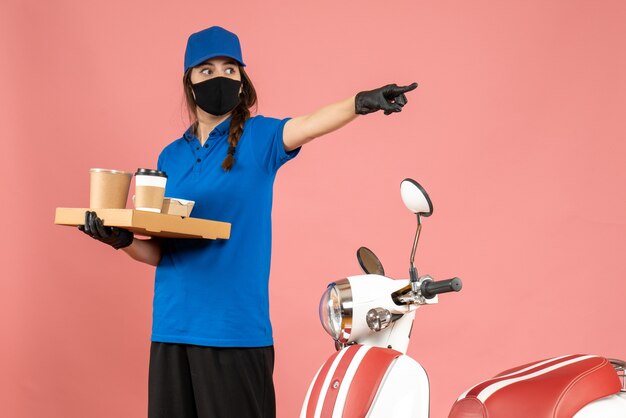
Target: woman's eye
x: 205, y: 71
x: 230, y: 71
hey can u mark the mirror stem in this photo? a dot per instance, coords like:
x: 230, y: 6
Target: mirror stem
x: 413, y: 270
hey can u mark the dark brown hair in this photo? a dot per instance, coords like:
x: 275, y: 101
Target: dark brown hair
x: 239, y: 114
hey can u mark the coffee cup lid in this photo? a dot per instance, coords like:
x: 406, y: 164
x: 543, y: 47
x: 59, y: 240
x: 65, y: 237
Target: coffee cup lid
x: 106, y: 170
x: 150, y: 172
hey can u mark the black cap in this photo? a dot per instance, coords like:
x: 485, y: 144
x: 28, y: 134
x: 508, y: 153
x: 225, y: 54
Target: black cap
x: 150, y: 172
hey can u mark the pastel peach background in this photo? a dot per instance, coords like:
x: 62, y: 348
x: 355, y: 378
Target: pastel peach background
x: 517, y: 131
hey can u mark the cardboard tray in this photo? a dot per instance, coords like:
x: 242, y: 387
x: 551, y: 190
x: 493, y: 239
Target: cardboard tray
x: 148, y: 223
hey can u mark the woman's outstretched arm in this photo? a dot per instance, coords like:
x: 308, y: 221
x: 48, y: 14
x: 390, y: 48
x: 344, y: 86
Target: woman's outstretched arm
x: 300, y: 130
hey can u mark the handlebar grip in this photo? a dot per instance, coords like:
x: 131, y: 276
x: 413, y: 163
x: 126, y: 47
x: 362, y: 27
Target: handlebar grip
x: 430, y: 288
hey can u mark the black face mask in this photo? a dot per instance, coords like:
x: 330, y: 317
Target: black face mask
x: 218, y: 95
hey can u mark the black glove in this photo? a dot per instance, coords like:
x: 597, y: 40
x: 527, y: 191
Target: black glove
x: 389, y: 98
x: 115, y: 237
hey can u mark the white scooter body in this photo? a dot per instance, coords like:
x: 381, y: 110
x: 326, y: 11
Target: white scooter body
x: 402, y: 392
x: 371, y: 317
x: 613, y: 406
x: 399, y: 385
x: 391, y: 384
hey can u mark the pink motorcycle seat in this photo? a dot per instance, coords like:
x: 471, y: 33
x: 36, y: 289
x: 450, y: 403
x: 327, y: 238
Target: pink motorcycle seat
x: 553, y: 388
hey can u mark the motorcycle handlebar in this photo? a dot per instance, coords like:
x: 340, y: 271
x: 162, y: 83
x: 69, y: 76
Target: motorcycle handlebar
x: 431, y: 288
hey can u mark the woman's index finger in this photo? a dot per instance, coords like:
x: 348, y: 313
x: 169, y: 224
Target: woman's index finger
x: 410, y: 87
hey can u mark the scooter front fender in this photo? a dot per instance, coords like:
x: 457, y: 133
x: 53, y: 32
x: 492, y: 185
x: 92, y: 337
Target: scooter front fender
x: 364, y: 381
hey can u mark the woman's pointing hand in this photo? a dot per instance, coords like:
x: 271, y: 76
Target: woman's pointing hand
x: 389, y: 98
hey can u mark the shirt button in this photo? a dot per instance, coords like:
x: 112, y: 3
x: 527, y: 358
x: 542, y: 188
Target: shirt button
x: 206, y: 145
x: 197, y: 148
x: 198, y: 160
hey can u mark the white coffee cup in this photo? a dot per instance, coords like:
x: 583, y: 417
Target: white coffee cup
x: 149, y: 189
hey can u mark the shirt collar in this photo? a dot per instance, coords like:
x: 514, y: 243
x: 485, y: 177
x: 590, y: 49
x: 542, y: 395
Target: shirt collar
x: 221, y: 129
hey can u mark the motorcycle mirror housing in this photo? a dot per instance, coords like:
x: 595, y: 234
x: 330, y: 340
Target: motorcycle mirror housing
x: 369, y: 262
x: 417, y: 201
x: 415, y: 198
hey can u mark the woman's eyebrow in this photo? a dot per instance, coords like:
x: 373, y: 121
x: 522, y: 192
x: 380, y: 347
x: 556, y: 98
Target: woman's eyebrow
x: 229, y: 62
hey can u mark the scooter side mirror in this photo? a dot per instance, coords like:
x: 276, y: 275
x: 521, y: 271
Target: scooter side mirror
x: 369, y: 262
x: 415, y: 198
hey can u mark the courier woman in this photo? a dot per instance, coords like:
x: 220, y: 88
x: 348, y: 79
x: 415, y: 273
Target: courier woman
x: 212, y: 350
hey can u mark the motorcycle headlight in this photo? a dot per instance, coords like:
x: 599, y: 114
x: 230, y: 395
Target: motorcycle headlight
x: 336, y: 310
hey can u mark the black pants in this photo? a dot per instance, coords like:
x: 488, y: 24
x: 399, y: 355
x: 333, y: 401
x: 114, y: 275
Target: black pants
x: 192, y: 381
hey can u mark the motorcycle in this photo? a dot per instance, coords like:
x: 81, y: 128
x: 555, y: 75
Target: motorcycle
x: 370, y: 318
